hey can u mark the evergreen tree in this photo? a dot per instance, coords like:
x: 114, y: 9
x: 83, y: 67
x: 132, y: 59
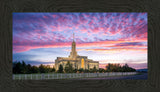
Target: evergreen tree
x: 24, y: 67
x: 34, y: 69
x: 94, y: 69
x: 101, y: 70
x: 28, y: 69
x: 60, y: 69
x: 19, y: 67
x: 119, y: 68
x: 42, y: 68
x: 80, y: 70
x: 53, y: 69
x: 68, y: 68
x: 47, y: 69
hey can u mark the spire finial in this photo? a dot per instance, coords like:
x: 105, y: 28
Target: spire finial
x: 73, y: 36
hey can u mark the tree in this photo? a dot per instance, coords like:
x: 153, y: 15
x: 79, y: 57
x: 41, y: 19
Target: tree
x: 28, y: 68
x: 94, y: 69
x: 47, y: 69
x: 19, y: 67
x: 126, y: 68
x: 108, y: 67
x: 86, y: 70
x: 14, y: 67
x: 42, y: 68
x: 60, y: 69
x: 118, y: 68
x: 34, y: 69
x: 68, y: 68
x: 75, y: 70
x: 101, y: 70
x: 24, y: 67
x: 80, y: 70
x: 53, y: 69
x: 126, y: 65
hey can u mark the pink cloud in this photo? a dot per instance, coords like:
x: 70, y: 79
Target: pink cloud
x: 54, y: 16
x: 45, y: 17
x: 27, y: 47
x: 95, y: 30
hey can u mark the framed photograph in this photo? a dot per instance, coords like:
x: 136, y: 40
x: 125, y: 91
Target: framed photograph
x: 86, y: 46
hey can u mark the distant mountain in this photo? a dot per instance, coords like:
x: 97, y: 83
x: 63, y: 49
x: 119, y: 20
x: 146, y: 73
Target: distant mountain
x: 142, y: 70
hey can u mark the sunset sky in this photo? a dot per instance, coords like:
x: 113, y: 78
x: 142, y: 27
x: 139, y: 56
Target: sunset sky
x: 39, y: 38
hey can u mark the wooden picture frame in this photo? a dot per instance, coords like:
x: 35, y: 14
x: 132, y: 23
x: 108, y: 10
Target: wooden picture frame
x: 152, y: 84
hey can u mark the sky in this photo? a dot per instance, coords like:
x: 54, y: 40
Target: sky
x: 39, y: 38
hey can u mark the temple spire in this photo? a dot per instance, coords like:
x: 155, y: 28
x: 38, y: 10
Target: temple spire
x: 73, y: 53
x: 73, y: 36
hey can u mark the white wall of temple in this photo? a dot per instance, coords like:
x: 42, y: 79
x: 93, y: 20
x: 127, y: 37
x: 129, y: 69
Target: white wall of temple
x: 63, y: 63
x: 91, y: 65
x: 78, y: 64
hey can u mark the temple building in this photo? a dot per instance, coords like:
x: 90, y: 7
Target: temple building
x: 77, y: 61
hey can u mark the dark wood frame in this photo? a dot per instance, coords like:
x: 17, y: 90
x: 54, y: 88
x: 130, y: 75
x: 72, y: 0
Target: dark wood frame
x: 7, y: 7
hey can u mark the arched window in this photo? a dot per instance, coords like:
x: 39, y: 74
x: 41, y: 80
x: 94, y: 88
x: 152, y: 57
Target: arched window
x: 82, y: 63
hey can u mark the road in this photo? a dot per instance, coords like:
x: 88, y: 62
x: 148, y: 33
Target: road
x: 142, y: 76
